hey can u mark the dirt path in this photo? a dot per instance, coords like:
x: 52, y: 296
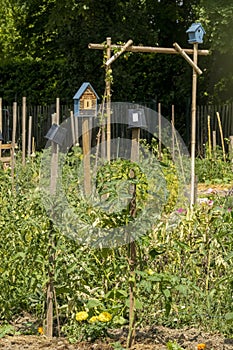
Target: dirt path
x: 154, y: 338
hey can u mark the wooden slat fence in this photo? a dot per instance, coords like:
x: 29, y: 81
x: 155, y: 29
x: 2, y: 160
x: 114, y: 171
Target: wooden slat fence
x: 226, y: 116
x: 41, y: 122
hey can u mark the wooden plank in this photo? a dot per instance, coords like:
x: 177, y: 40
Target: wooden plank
x: 5, y: 159
x: 148, y: 49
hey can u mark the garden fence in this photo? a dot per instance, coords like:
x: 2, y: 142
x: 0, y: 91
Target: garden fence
x: 41, y: 122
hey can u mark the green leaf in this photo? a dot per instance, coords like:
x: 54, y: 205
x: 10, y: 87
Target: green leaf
x: 93, y: 303
x: 229, y: 316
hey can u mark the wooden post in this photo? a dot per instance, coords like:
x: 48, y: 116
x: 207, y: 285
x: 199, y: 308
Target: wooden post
x: 132, y: 251
x: 221, y: 135
x: 160, y: 131
x: 72, y: 127
x: 86, y: 156
x: 193, y: 131
x: 108, y: 98
x: 51, y: 253
x: 57, y: 110
x: 13, y: 143
x: 209, y: 137
x: 76, y: 130
x: 54, y: 160
x: 23, y: 130
x: 214, y: 143
x: 29, y: 136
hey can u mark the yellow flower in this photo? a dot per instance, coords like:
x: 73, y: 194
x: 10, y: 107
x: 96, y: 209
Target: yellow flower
x: 201, y: 346
x: 94, y: 319
x: 40, y: 330
x: 104, y: 317
x: 81, y: 316
x: 150, y: 272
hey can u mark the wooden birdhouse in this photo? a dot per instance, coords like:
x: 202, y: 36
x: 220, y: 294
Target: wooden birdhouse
x: 195, y: 33
x: 85, y: 101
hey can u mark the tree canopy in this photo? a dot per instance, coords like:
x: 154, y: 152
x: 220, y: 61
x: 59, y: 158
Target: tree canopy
x: 44, y: 49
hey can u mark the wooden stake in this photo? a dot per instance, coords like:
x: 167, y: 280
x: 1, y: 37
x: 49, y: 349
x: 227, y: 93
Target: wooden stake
x: 23, y: 130
x: 209, y: 138
x: 108, y: 100
x: 51, y: 248
x: 193, y: 135
x: 221, y: 135
x: 72, y: 127
x: 29, y: 135
x: 86, y: 157
x: 214, y: 143
x: 13, y: 143
x: 76, y: 130
x: 132, y: 252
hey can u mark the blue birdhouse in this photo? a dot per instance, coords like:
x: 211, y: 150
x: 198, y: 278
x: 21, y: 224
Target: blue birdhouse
x: 85, y: 101
x: 195, y: 33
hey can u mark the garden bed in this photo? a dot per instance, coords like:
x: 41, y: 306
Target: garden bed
x: 152, y: 338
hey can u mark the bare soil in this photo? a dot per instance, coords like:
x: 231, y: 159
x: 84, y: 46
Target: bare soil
x: 154, y: 338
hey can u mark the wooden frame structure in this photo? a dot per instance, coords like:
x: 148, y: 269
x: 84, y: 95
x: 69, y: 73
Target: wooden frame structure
x: 147, y: 49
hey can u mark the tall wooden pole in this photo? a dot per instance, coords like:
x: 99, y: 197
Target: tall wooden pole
x: 51, y: 253
x: 193, y: 123
x: 13, y: 143
x: 108, y: 97
x: 86, y: 156
x: 132, y: 251
x: 23, y: 130
x: 29, y: 135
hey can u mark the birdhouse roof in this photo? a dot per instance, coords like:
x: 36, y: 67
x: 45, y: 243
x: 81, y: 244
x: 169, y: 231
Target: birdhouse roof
x: 82, y: 89
x: 194, y: 27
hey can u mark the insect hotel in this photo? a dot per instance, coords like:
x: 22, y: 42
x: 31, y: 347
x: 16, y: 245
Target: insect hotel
x: 85, y: 101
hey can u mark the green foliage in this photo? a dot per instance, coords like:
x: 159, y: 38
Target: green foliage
x: 183, y: 273
x: 214, y: 170
x: 6, y: 329
x: 173, y: 346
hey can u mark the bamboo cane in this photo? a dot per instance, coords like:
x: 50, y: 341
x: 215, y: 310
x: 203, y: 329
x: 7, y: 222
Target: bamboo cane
x: 193, y: 135
x: 23, y: 131
x: 221, y: 135
x: 13, y: 143
x: 29, y: 136
x: 209, y: 138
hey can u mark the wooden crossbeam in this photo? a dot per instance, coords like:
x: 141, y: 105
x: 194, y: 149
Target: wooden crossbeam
x: 149, y: 49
